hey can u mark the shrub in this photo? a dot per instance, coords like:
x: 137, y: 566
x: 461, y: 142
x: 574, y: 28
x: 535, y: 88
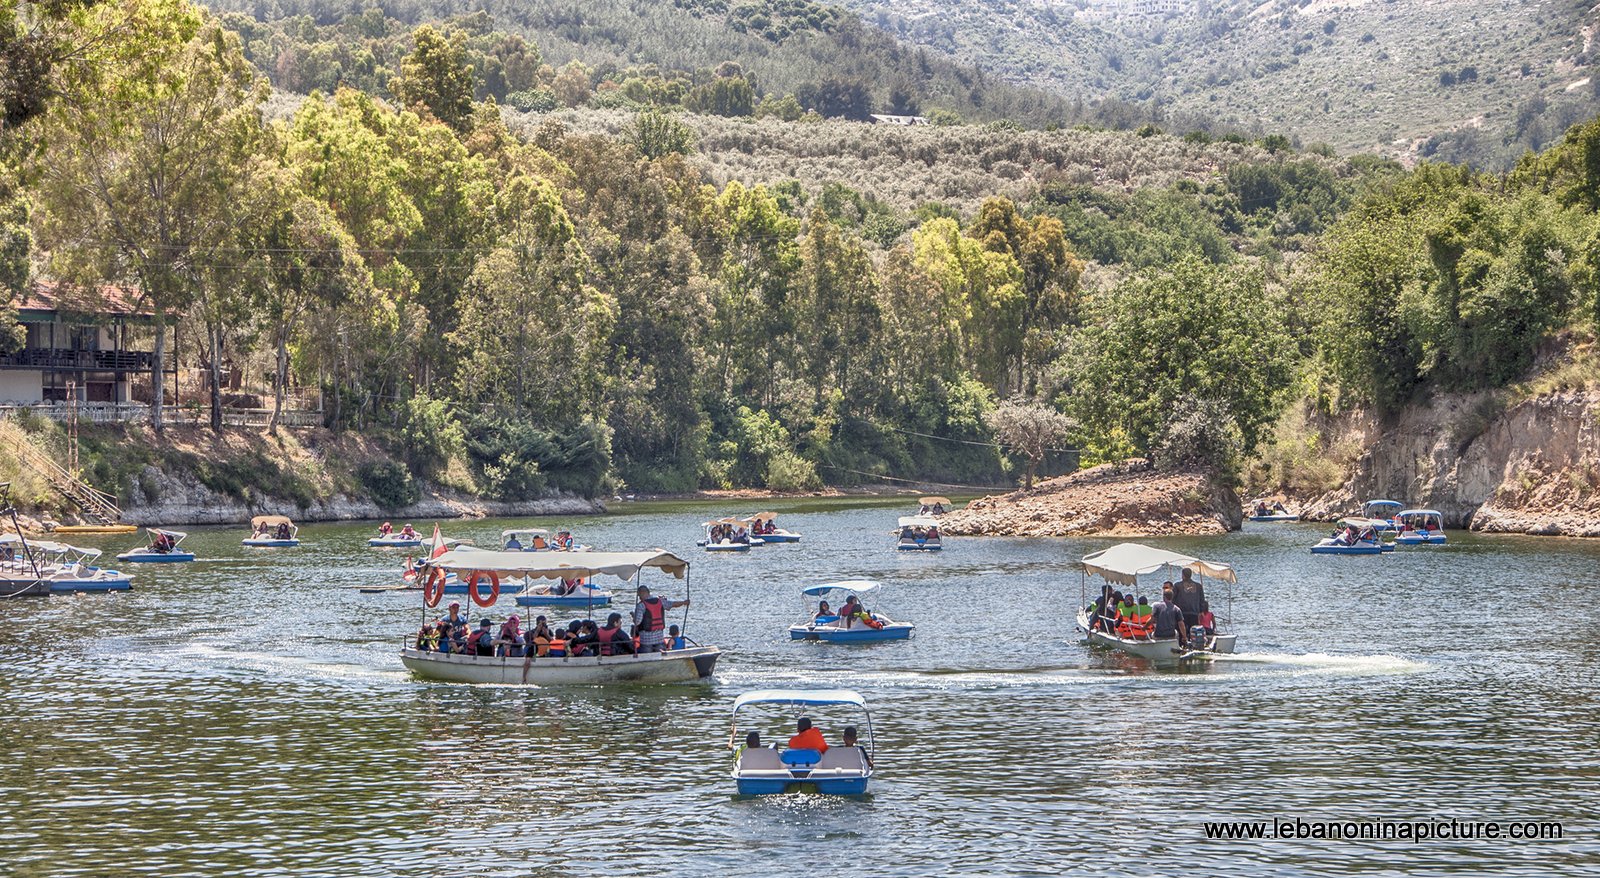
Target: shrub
x: 791, y: 473
x: 1200, y: 433
x: 388, y: 484
x: 430, y: 434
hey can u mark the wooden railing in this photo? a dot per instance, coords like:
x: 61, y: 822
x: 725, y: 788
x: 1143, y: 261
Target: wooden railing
x: 129, y: 412
x: 95, y: 503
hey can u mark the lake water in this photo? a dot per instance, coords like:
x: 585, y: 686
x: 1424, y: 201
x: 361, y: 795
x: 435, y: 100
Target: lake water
x: 248, y: 715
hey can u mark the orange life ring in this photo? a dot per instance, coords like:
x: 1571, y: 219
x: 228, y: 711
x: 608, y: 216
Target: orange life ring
x: 433, y: 587
x: 494, y: 588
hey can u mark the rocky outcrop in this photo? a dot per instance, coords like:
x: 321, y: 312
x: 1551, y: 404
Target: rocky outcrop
x: 1532, y: 466
x: 1124, y: 499
x: 183, y: 500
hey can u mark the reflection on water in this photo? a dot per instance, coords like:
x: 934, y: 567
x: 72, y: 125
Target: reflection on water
x: 248, y: 715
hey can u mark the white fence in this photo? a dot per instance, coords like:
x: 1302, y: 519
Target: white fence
x: 126, y: 412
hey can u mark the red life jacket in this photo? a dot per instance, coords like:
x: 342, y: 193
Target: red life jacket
x: 655, y: 614
x: 607, y: 637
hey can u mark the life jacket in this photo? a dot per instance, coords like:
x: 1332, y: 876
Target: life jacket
x: 558, y: 646
x: 538, y: 544
x: 655, y: 614
x: 608, y: 636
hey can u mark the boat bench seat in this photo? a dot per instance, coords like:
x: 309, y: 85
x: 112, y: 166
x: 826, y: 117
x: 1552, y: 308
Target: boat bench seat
x: 761, y: 759
x: 848, y: 758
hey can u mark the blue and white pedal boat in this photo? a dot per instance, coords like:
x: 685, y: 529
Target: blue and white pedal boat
x: 272, y: 524
x: 1421, y: 527
x: 762, y: 771
x: 151, y: 555
x: 830, y: 628
x: 919, y: 533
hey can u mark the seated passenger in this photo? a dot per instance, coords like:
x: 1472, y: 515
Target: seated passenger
x: 849, y: 735
x: 510, y: 640
x: 587, y: 641
x: 824, y: 613
x: 428, y: 639
x: 513, y: 544
x: 408, y: 532
x: 806, y: 737
x: 283, y: 531
x: 482, y: 641
x: 905, y: 534
x: 538, y: 543
x: 675, y: 639
x: 938, y: 509
x: 385, y: 529
x: 613, y: 640
x: 933, y: 532
x: 564, y: 541
x: 740, y: 535
x: 752, y: 741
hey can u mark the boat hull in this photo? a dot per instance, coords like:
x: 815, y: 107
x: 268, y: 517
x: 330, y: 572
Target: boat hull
x: 1166, y: 650
x: 1274, y: 518
x: 394, y: 543
x: 750, y: 785
x: 677, y: 666
x: 1347, y: 550
x: 89, y: 586
x: 830, y: 634
x: 539, y: 600
x: 1413, y: 539
x: 728, y: 547
x: 156, y: 557
x: 914, y: 547
x: 781, y: 538
x: 270, y: 544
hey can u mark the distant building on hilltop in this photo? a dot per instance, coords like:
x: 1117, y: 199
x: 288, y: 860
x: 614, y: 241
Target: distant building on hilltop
x: 882, y: 119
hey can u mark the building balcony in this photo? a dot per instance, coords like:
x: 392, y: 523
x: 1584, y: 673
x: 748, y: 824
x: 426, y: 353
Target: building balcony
x: 60, y: 360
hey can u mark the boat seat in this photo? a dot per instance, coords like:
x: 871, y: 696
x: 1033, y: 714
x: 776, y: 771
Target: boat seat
x: 846, y: 758
x: 803, y: 756
x: 761, y: 759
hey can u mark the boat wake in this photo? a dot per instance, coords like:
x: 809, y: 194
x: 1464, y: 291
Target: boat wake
x: 1358, y: 665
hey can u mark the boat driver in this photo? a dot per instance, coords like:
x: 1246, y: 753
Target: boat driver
x: 650, y: 619
x: 1168, y: 618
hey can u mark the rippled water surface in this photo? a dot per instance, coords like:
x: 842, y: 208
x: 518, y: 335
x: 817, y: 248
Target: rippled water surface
x: 248, y: 715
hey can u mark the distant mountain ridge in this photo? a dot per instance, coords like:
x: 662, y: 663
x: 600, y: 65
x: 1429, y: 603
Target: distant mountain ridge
x: 1456, y: 79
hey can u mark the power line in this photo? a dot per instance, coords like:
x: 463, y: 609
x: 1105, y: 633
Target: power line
x: 909, y: 481
x: 961, y: 441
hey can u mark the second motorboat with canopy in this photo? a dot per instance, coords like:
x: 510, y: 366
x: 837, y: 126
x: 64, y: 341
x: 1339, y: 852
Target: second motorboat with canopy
x: 164, y: 548
x: 1420, y: 527
x: 1382, y: 511
x: 728, y: 535
x: 764, y: 526
x: 272, y: 532
x: 838, y: 625
x: 1355, y: 536
x: 919, y: 533
x: 477, y: 566
x: 1123, y: 564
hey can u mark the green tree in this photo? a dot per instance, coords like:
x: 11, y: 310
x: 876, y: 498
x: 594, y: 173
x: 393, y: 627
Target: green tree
x: 657, y: 133
x: 436, y: 79
x: 723, y: 96
x: 1031, y: 430
x: 1196, y: 330
x: 145, y: 153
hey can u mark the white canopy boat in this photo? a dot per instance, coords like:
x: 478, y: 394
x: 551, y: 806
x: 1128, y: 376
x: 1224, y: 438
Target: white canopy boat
x: 833, y: 629
x: 1382, y: 511
x: 934, y: 506
x: 841, y: 770
x: 669, y: 666
x: 1355, y: 536
x: 68, y: 569
x: 1420, y: 527
x: 1262, y: 511
x: 764, y: 526
x: 1123, y: 564
x: 272, y: 532
x: 919, y: 534
x: 719, y: 536
x: 405, y: 538
x: 164, y: 548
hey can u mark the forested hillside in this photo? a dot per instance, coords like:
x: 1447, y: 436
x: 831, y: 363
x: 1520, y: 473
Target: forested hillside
x: 1460, y: 79
x: 630, y: 293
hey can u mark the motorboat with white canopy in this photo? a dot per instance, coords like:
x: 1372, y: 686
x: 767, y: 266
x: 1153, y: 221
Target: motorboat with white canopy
x: 272, y: 532
x: 164, y: 548
x: 1420, y: 527
x: 1123, y: 564
x: 722, y: 535
x: 68, y: 569
x: 919, y: 533
x: 1355, y: 536
x: 477, y: 566
x: 839, y: 770
x: 1383, y: 511
x: 764, y: 526
x: 831, y: 625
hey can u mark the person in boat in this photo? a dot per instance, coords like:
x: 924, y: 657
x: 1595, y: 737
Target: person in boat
x: 453, y: 616
x: 564, y: 541
x: 513, y: 544
x: 283, y: 531
x: 848, y: 735
x: 933, y: 532
x: 752, y: 741
x: 807, y: 737
x: 481, y: 642
x: 385, y: 529
x: 585, y: 641
x: 259, y: 532
x: 1166, y: 619
x: 938, y: 509
x: 1278, y: 508
x: 539, y: 637
x: 675, y: 639
x: 408, y: 532
x: 906, y: 534
x: 650, y: 618
x: 1190, y: 596
x: 1135, y: 624
x: 1260, y: 508
x: 428, y: 639
x: 1205, y: 627
x: 510, y: 640
x: 740, y: 535
x: 163, y: 542
x: 538, y: 543
x: 613, y: 640
x: 824, y: 613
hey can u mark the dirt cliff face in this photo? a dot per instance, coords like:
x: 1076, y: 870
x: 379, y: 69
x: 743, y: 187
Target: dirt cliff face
x: 1532, y: 467
x: 1123, y: 499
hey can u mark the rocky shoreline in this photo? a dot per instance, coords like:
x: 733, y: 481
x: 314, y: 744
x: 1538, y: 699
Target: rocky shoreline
x: 1127, y: 499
